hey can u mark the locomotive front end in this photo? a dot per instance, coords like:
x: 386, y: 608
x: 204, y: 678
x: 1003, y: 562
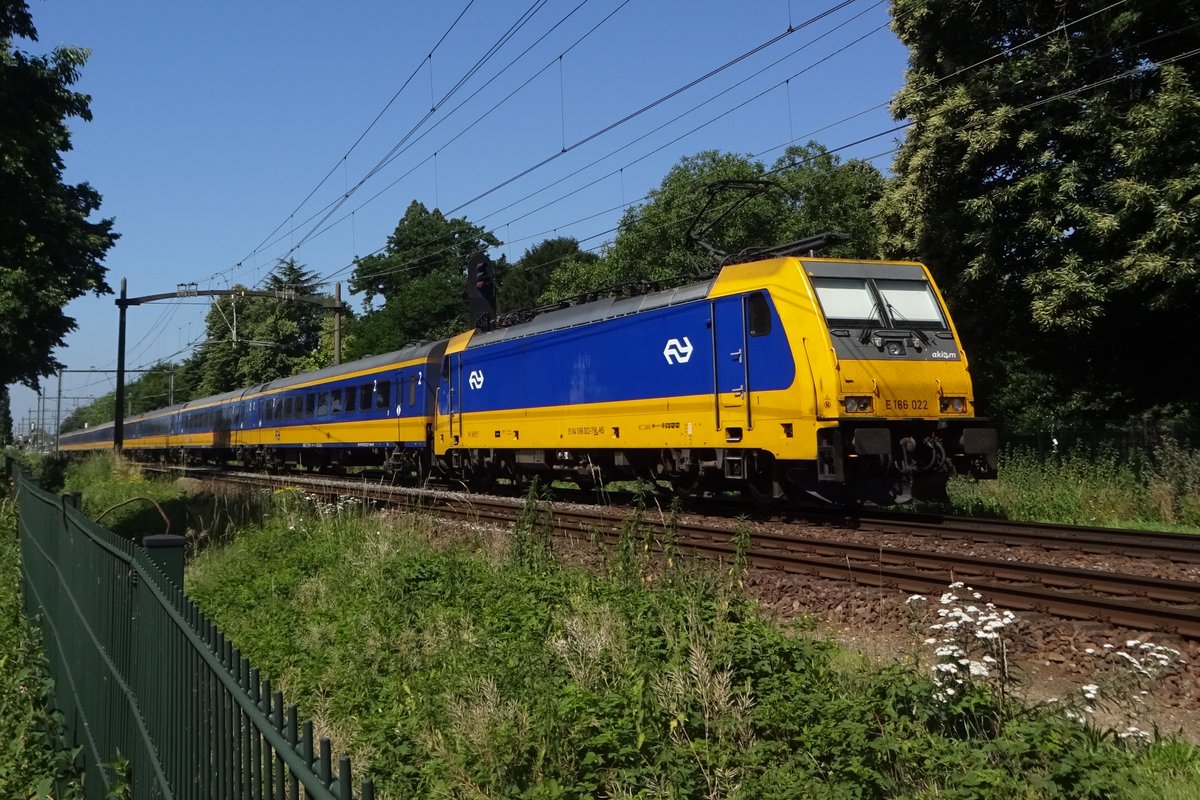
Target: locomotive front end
x: 896, y: 415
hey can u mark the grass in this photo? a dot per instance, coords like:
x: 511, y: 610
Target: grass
x: 1159, y: 490
x: 32, y: 764
x: 459, y: 664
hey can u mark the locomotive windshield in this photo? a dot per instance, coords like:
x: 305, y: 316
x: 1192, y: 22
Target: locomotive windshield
x: 879, y: 302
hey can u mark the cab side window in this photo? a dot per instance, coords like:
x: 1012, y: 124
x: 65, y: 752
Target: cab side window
x: 758, y: 313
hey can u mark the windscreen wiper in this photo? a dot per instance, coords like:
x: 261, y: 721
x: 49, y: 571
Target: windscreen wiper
x: 908, y: 326
x: 865, y: 336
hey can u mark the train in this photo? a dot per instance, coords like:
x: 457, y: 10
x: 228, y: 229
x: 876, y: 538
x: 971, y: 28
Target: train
x: 787, y: 378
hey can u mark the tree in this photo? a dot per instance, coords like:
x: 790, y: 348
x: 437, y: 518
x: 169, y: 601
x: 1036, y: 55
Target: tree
x: 819, y: 193
x: 251, y: 341
x: 420, y: 277
x: 527, y: 280
x: 50, y: 252
x: 281, y: 335
x: 6, y: 422
x: 822, y: 193
x: 1055, y: 193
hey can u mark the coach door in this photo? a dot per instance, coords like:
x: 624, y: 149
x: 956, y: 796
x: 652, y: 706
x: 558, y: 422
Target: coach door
x: 731, y: 367
x: 449, y: 404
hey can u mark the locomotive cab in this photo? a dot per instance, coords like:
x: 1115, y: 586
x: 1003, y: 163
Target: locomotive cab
x: 897, y: 416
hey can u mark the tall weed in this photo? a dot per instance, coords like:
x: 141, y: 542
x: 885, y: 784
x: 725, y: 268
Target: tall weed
x: 1102, y: 486
x: 32, y: 761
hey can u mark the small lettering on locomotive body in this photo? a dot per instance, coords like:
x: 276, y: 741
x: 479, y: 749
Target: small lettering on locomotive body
x: 906, y: 405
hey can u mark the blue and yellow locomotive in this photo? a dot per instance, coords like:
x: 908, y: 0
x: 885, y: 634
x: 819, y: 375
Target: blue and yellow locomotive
x: 842, y: 379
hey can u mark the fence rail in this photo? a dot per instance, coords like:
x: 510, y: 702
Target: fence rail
x: 154, y: 694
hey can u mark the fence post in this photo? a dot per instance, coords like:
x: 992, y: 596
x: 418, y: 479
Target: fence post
x: 72, y: 499
x: 166, y: 550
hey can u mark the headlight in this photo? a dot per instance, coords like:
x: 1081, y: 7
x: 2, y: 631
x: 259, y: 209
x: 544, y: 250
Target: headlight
x: 954, y: 405
x: 857, y: 405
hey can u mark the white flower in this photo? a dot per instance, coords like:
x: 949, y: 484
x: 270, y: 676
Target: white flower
x: 1090, y: 691
x: 916, y: 598
x: 978, y: 670
x: 1134, y: 733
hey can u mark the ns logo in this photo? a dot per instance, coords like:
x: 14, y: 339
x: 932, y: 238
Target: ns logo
x: 475, y: 379
x: 680, y: 351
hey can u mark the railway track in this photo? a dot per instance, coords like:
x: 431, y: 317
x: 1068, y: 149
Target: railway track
x: 1178, y: 547
x: 1134, y: 601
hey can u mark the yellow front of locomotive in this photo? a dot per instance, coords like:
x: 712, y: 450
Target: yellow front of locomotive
x: 896, y: 411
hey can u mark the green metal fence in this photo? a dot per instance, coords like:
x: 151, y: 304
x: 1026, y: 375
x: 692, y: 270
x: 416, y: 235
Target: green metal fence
x: 152, y: 692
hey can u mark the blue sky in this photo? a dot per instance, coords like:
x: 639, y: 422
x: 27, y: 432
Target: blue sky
x: 213, y: 122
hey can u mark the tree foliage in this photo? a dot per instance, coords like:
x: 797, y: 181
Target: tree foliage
x: 1055, y: 193
x: 251, y: 340
x: 818, y: 193
x: 420, y: 281
x: 6, y: 421
x: 527, y: 280
x: 50, y: 252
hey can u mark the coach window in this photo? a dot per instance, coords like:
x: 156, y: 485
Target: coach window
x: 270, y: 408
x: 759, y: 313
x: 310, y: 404
x: 335, y: 401
x: 351, y: 399
x: 412, y: 390
x: 383, y: 394
x: 287, y: 408
x: 364, y: 397
x: 323, y: 404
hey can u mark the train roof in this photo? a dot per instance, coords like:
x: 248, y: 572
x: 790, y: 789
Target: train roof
x: 414, y: 352
x: 595, y: 311
x: 411, y: 353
